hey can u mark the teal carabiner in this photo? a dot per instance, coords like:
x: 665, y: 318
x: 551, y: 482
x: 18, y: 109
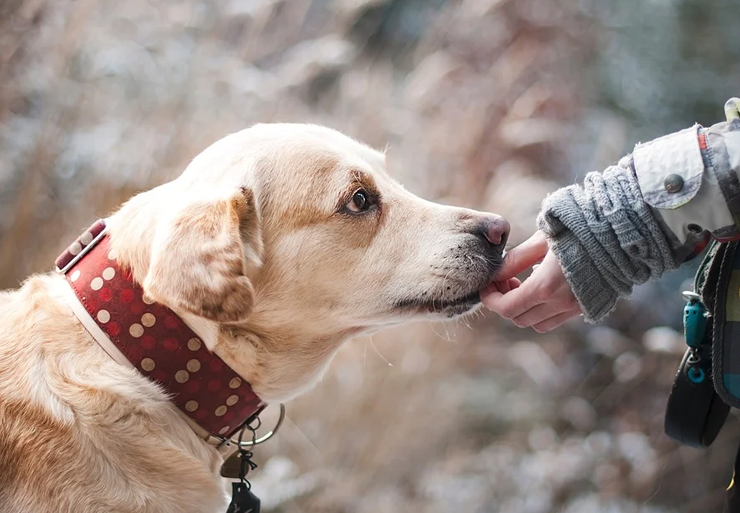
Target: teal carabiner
x: 694, y: 320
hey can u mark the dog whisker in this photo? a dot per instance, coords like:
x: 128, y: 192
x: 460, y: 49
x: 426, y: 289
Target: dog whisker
x: 379, y: 354
x: 438, y: 334
x: 306, y: 442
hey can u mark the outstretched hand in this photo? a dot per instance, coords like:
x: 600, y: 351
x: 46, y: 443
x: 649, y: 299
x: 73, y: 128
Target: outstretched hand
x: 543, y: 301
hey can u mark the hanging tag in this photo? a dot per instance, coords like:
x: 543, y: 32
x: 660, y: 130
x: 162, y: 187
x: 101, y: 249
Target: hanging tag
x: 243, y: 500
x: 232, y: 467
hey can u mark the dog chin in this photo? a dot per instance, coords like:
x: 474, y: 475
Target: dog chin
x: 464, y: 305
x: 462, y: 309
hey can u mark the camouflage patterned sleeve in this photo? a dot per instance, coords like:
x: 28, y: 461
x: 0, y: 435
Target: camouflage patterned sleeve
x: 690, y: 180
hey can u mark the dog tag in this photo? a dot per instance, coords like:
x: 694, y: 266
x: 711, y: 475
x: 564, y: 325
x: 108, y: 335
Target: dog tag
x: 231, y: 468
x: 243, y: 500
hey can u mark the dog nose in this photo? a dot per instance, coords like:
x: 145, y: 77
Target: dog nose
x: 495, y: 229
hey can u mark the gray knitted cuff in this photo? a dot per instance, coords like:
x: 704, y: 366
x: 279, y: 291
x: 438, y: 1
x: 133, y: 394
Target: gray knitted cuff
x: 605, y: 237
x: 594, y: 294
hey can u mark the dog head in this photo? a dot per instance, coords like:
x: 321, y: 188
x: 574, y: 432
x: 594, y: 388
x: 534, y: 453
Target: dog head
x: 283, y: 240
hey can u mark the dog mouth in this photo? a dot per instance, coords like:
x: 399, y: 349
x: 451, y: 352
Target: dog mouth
x: 448, y: 307
x: 458, y: 292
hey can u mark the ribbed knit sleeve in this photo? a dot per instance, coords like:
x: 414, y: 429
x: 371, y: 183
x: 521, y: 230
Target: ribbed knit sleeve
x: 605, y: 237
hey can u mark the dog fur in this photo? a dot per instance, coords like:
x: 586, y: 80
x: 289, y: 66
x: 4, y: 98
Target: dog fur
x: 259, y: 248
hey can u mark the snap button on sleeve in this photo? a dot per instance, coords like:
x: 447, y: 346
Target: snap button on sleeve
x: 673, y: 183
x: 670, y: 169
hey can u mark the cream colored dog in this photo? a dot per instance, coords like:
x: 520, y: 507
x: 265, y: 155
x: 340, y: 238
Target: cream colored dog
x: 275, y: 245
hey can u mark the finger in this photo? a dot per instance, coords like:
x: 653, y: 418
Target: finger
x: 538, y: 314
x: 523, y: 256
x: 502, y: 286
x: 512, y: 304
x: 556, y: 321
x: 732, y: 109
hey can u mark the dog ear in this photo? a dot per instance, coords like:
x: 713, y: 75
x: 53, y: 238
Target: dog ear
x: 204, y: 256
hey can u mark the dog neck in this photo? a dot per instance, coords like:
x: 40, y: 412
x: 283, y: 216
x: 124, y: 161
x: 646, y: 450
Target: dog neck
x: 280, y: 366
x: 279, y: 357
x: 140, y: 333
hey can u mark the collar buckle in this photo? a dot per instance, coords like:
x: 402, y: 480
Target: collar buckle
x: 238, y: 442
x: 81, y: 246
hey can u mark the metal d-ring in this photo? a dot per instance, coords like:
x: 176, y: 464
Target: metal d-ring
x: 690, y: 295
x: 266, y: 436
x: 693, y: 358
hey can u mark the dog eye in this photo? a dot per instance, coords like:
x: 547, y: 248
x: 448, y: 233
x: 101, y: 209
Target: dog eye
x: 360, y: 202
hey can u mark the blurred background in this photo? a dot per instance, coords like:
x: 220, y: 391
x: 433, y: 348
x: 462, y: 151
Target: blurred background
x: 483, y: 103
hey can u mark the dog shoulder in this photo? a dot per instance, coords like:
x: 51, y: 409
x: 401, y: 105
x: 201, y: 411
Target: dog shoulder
x: 73, y: 418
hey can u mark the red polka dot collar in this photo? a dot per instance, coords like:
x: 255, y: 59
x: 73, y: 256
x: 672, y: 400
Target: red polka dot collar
x: 154, y: 339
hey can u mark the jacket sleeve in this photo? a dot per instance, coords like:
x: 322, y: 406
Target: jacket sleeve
x: 690, y: 181
x: 644, y: 216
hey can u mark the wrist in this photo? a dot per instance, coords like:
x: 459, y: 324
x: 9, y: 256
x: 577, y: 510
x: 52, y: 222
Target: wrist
x: 596, y: 297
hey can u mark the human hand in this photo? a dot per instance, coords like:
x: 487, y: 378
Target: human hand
x: 544, y: 301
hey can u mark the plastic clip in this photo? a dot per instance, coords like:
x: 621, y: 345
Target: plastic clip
x: 694, y: 320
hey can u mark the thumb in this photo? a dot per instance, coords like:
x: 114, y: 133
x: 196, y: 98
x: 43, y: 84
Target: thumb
x: 524, y: 256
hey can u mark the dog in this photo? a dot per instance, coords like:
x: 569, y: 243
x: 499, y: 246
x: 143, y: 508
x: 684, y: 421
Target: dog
x: 275, y: 245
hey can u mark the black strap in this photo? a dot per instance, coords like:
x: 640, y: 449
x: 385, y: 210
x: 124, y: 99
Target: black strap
x: 732, y: 499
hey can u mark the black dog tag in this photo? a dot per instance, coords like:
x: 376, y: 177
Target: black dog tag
x: 243, y: 500
x: 232, y: 467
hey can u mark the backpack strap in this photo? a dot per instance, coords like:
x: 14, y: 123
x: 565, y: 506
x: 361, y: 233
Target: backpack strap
x: 726, y: 325
x: 695, y: 411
